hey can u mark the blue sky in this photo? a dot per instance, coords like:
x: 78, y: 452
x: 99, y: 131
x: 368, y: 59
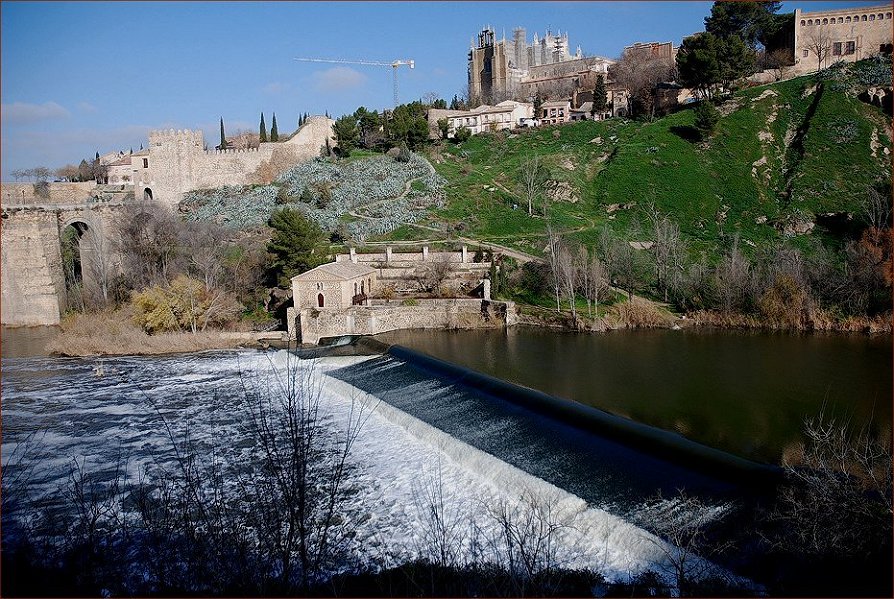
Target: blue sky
x: 81, y: 77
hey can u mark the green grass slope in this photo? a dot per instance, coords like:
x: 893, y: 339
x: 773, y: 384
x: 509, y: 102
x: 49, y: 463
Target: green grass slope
x: 781, y: 156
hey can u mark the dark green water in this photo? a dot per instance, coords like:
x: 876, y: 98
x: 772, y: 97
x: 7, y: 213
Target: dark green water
x: 743, y: 392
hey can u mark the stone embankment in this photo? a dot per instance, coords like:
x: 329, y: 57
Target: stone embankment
x: 312, y: 325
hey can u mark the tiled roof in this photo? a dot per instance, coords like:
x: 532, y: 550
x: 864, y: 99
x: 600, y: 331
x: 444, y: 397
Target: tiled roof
x: 335, y: 270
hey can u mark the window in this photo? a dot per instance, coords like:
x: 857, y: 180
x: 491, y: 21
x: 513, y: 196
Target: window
x: 863, y: 18
x: 836, y: 49
x: 872, y: 17
x: 840, y: 20
x: 145, y: 163
x: 887, y: 15
x: 850, y: 48
x: 810, y: 21
x: 320, y: 301
x: 825, y: 21
x: 847, y: 20
x: 803, y: 22
x: 805, y: 53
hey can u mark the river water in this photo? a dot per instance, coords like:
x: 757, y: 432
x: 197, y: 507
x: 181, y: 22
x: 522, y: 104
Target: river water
x: 743, y: 392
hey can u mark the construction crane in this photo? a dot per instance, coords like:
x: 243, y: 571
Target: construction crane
x: 393, y: 65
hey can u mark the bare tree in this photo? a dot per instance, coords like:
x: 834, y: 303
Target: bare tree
x: 819, y: 41
x: 527, y: 542
x: 596, y: 282
x: 668, y: 251
x: 877, y: 209
x: 534, y: 177
x: 640, y: 74
x: 838, y: 498
x: 779, y: 62
x: 732, y: 276
x: 568, y: 275
x: 682, y: 524
x: 431, y: 276
x: 554, y: 244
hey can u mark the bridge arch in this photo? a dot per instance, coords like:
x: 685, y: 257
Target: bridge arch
x: 85, y: 264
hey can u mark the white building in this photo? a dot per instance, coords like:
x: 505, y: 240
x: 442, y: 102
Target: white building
x: 484, y: 118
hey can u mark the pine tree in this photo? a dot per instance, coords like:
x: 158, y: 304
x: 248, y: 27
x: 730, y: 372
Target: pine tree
x: 600, y: 97
x: 223, y: 137
x: 274, y: 134
x: 262, y: 135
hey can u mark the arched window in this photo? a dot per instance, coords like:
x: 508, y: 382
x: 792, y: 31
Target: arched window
x: 872, y: 17
x: 840, y: 20
x: 320, y: 300
x: 887, y: 15
x: 355, y: 288
x: 847, y: 20
x: 803, y: 22
x: 362, y: 291
x: 863, y: 18
x: 880, y: 16
x: 825, y: 21
x: 147, y: 194
x: 810, y: 21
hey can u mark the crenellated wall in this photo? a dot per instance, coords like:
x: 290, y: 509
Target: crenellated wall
x: 178, y: 162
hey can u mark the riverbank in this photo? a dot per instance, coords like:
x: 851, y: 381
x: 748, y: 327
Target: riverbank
x: 643, y: 314
x: 114, y: 333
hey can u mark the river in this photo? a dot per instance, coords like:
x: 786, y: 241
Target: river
x: 743, y: 392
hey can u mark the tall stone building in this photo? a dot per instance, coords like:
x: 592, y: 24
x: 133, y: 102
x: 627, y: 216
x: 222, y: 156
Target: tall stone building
x: 514, y: 69
x: 849, y: 34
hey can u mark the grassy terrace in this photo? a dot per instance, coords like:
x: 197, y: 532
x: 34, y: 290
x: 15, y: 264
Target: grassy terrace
x: 781, y: 155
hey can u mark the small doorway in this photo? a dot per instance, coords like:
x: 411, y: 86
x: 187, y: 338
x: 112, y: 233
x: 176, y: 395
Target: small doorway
x: 320, y: 300
x: 147, y: 194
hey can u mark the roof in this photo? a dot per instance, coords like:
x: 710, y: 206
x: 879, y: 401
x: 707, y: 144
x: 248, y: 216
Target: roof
x: 341, y: 271
x: 122, y: 162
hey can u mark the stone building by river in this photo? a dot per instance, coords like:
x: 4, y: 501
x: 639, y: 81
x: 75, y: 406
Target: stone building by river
x: 366, y: 294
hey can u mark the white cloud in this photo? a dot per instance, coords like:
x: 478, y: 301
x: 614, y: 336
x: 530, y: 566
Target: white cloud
x: 23, y: 112
x: 86, y: 107
x: 337, y: 79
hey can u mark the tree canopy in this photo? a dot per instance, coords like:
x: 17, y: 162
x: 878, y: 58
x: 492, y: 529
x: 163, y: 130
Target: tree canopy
x: 408, y: 124
x: 292, y: 245
x: 347, y: 134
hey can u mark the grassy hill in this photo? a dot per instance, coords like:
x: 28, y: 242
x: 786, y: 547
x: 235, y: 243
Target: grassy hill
x: 783, y: 156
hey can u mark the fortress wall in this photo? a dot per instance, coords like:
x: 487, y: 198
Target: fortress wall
x: 178, y: 162
x: 15, y: 194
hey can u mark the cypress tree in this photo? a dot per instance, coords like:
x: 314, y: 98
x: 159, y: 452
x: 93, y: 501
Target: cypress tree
x: 263, y: 133
x: 300, y: 120
x: 274, y: 134
x: 223, y: 137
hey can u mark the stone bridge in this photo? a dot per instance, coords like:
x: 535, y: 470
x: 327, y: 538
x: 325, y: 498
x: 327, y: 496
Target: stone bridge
x: 32, y: 281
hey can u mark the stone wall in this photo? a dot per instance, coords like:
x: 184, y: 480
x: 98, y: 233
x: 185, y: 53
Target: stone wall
x: 29, y: 260
x: 17, y: 194
x: 428, y: 314
x: 178, y: 163
x: 32, y: 283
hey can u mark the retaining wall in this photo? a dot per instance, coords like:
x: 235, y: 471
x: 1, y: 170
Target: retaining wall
x: 312, y: 324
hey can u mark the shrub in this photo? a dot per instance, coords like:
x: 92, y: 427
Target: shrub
x: 462, y: 134
x: 706, y: 118
x: 184, y: 304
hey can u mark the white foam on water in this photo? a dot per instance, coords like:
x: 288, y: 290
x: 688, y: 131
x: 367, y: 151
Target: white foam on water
x: 404, y: 459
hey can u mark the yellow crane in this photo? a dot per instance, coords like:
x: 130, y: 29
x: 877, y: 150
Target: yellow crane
x: 394, y: 65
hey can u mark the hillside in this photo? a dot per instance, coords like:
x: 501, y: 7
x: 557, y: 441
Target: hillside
x: 785, y: 158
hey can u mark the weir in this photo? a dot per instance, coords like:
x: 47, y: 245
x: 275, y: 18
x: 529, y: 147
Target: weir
x: 605, y: 459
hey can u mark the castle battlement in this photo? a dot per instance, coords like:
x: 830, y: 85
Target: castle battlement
x: 232, y: 151
x: 177, y: 136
